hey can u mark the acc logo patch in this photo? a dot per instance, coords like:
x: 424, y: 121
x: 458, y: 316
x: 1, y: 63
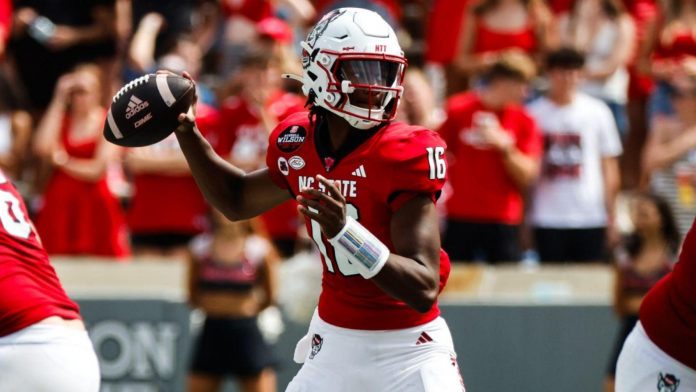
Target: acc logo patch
x: 317, y: 342
x: 283, y: 166
x: 665, y: 383
x: 291, y: 138
x: 296, y: 162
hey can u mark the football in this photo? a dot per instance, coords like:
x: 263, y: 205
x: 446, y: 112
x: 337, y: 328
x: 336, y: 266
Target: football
x: 145, y: 111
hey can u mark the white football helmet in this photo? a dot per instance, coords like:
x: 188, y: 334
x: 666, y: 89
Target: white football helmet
x: 353, y: 66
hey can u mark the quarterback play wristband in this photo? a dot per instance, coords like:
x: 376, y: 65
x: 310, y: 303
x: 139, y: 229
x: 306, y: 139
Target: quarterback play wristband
x: 365, y: 251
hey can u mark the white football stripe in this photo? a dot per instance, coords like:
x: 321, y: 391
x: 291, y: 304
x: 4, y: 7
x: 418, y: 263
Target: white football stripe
x: 112, y: 124
x: 164, y: 91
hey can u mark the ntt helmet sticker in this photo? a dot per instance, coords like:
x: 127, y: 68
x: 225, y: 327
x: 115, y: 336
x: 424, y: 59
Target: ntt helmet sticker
x: 283, y: 166
x: 291, y: 138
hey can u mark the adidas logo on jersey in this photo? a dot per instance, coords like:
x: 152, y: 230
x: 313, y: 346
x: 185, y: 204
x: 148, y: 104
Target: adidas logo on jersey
x: 135, y: 105
x: 424, y: 338
x: 359, y: 172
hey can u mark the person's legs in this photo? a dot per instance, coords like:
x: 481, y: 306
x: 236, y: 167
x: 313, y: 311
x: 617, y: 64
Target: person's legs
x: 462, y: 241
x: 262, y: 382
x: 587, y: 245
x: 502, y: 243
x: 550, y: 244
x: 199, y: 382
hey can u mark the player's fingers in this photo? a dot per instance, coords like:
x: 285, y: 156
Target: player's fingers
x: 331, y: 186
x: 164, y: 71
x: 188, y: 76
x: 326, y: 213
x: 310, y: 214
x: 318, y: 195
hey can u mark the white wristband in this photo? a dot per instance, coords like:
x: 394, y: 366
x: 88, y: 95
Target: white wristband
x: 365, y: 251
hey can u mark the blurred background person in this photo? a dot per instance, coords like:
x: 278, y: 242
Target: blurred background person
x: 79, y: 214
x: 61, y: 34
x: 669, y: 158
x: 494, y: 149
x: 232, y: 278
x: 673, y: 47
x: 494, y: 26
x: 574, y: 200
x: 642, y: 259
x: 15, y: 134
x: 604, y: 32
x: 255, y: 105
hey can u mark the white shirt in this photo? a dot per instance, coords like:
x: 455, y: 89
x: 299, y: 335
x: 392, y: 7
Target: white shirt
x: 577, y: 136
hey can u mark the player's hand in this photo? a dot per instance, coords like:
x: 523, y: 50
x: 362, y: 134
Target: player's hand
x: 328, y: 209
x: 188, y: 119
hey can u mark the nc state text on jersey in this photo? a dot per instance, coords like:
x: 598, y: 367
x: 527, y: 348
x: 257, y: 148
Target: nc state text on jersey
x: 348, y: 188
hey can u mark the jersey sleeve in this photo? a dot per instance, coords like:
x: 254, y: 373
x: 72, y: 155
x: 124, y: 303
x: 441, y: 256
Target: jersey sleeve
x: 414, y: 163
x: 274, y: 156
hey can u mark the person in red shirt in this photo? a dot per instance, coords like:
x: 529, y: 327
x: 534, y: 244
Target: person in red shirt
x: 246, y: 120
x: 43, y: 342
x: 660, y: 352
x: 494, y: 149
x: 491, y: 27
x: 367, y: 187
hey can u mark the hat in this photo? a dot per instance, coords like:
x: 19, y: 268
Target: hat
x: 274, y: 28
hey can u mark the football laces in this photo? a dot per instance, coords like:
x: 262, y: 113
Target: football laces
x: 132, y: 84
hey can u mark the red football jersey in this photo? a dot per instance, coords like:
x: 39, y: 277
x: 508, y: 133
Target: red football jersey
x: 30, y: 288
x: 668, y: 312
x: 377, y: 178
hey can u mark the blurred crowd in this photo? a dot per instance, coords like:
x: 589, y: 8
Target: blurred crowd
x: 550, y: 110
x: 570, y: 124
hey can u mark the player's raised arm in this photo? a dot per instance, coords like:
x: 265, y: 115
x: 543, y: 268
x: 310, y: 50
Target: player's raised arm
x: 236, y: 194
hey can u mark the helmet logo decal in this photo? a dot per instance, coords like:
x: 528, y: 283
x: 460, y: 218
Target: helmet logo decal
x: 322, y: 25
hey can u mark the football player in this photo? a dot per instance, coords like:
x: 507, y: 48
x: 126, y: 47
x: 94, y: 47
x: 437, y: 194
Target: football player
x: 43, y: 342
x: 660, y: 352
x: 367, y: 187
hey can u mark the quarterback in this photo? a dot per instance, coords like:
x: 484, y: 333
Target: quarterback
x: 367, y: 187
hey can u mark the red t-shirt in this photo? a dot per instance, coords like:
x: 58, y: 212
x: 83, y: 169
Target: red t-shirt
x: 668, y: 312
x: 481, y: 188
x: 488, y: 40
x: 153, y: 209
x: 377, y: 177
x: 5, y: 19
x: 30, y: 288
x: 643, y: 12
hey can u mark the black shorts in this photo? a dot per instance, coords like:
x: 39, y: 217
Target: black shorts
x: 474, y: 241
x: 561, y: 245
x: 161, y: 240
x: 627, y: 324
x: 231, y: 347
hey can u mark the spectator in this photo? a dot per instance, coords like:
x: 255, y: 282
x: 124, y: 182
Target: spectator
x: 674, y: 47
x: 15, y: 134
x: 604, y: 32
x: 669, y: 159
x: 573, y: 202
x: 492, y: 26
x: 179, y: 53
x: 60, y: 33
x: 246, y: 119
x: 225, y: 269
x: 79, y: 216
x: 640, y: 86
x: 494, y: 149
x: 646, y: 255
